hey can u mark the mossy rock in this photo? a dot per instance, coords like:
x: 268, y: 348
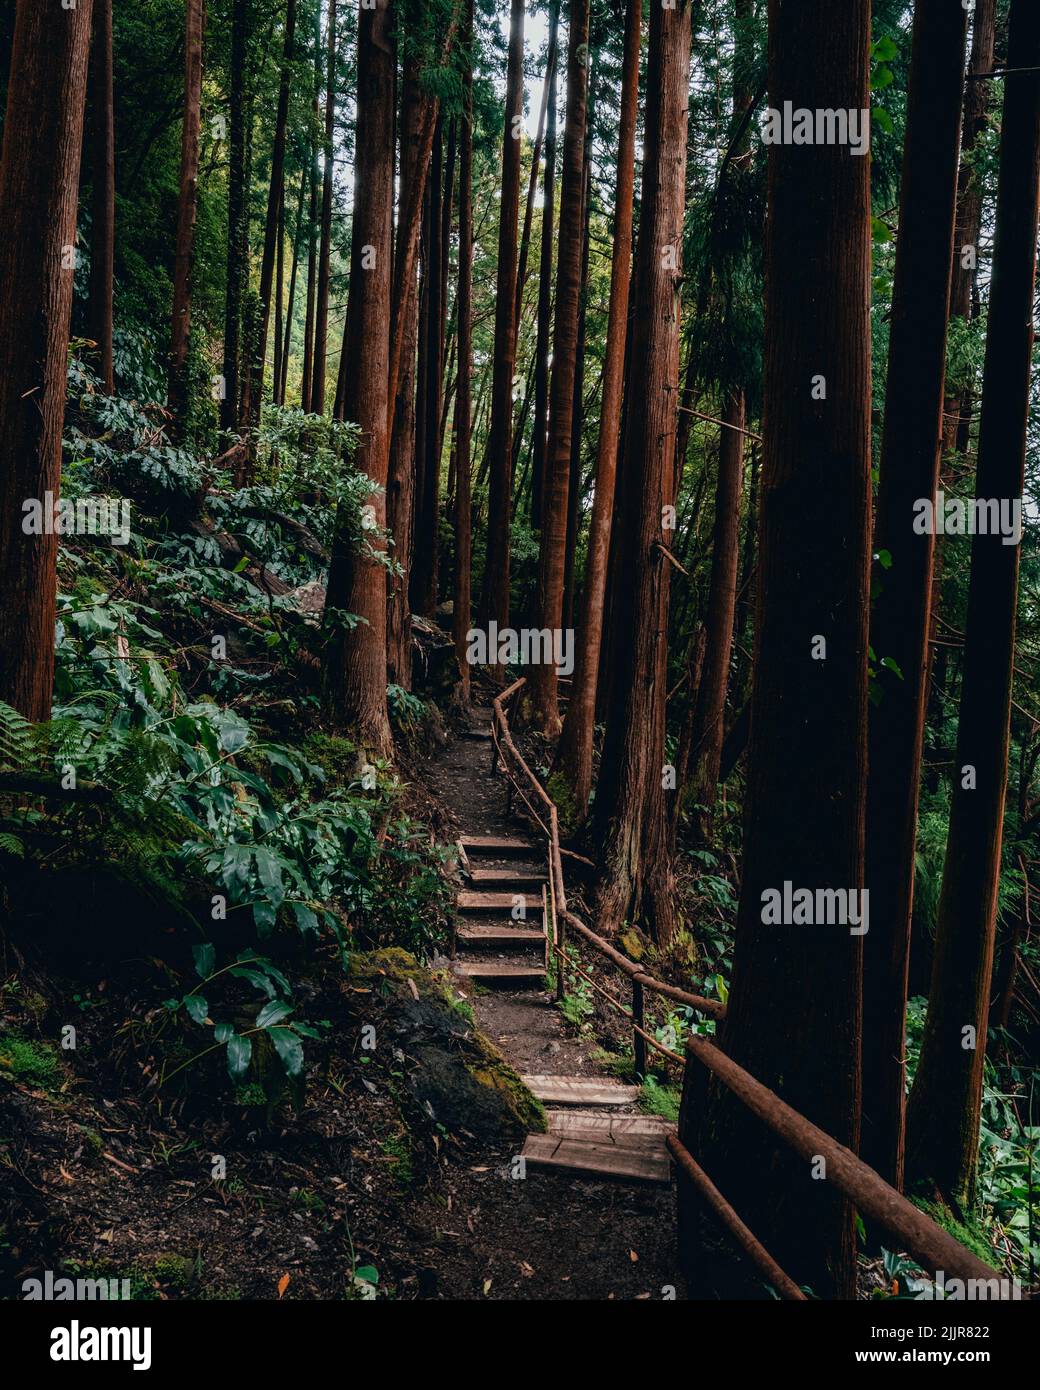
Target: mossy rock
x: 455, y: 1075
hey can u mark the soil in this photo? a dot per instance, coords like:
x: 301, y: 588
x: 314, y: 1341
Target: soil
x: 99, y: 1179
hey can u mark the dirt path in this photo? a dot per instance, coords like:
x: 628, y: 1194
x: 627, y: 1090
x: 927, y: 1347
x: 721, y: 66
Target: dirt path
x: 548, y: 1235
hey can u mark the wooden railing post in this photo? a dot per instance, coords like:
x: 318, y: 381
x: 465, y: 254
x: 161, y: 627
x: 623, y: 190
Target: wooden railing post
x: 638, y: 1041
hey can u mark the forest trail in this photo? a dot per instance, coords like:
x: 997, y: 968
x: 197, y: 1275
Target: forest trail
x: 595, y: 1125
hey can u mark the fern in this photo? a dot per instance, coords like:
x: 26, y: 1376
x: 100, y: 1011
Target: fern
x: 17, y: 744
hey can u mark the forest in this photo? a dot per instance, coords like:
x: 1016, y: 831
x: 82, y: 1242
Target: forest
x: 519, y: 700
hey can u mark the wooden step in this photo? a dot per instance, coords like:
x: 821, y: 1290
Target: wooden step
x: 645, y: 1161
x: 605, y: 1128
x: 496, y: 976
x: 502, y: 845
x: 506, y: 878
x: 478, y: 733
x: 466, y: 901
x: 580, y: 1090
x: 500, y: 936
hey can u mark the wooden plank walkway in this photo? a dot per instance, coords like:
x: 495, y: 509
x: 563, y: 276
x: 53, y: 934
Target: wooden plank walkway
x: 592, y: 1130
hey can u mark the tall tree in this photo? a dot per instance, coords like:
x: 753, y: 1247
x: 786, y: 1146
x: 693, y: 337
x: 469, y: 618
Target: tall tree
x: 709, y: 729
x: 637, y: 882
x: 46, y: 97
x: 186, y: 205
x: 307, y: 382
x: 462, y: 591
x: 551, y: 558
x: 945, y: 1103
x: 274, y: 225
x: 103, y: 230
x: 544, y: 326
x: 238, y: 218
x: 500, y: 432
x: 575, y: 752
x: 804, y: 810
x: 321, y: 325
x: 354, y: 676
x: 291, y: 304
x: 401, y: 483
x: 910, y: 452
x: 977, y: 101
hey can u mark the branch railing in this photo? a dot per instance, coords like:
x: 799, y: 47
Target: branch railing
x: 881, y: 1203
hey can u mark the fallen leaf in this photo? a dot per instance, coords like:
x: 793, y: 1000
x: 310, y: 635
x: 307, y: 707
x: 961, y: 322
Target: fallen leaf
x: 633, y: 1256
x: 283, y: 1284
x: 526, y: 1270
x: 487, y: 1285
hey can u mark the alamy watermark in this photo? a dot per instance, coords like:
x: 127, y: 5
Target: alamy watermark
x: 809, y: 907
x: 528, y: 646
x: 86, y: 516
x: 59, y: 1289
x: 792, y: 125
x: 979, y: 516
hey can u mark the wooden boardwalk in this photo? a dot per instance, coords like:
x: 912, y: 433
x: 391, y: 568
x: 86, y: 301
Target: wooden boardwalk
x: 595, y: 1130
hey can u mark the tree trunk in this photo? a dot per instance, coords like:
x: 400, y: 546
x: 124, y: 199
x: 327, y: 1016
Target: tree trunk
x: 401, y: 486
x: 354, y: 685
x: 709, y: 726
x: 804, y: 809
x: 307, y: 385
x: 103, y: 232
x: 186, y: 207
x: 423, y: 587
x: 462, y: 592
x: 536, y: 157
x: 290, y: 306
x: 275, y: 204
x: 500, y: 434
x: 637, y: 883
x: 910, y: 454
x: 574, y: 757
x: 542, y: 688
x: 539, y: 439
x: 238, y: 221
x: 944, y: 1109
x: 321, y: 328
x: 46, y: 97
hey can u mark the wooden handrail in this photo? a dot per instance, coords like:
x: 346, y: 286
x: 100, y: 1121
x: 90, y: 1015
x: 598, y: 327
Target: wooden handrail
x: 933, y: 1247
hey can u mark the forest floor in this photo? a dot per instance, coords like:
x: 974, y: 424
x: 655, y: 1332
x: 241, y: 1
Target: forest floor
x: 106, y: 1174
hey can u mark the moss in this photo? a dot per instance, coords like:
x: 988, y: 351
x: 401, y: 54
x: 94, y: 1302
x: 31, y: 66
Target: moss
x: 632, y: 943
x: 390, y: 963
x: 92, y: 1139
x: 969, y: 1234
x: 34, y: 1064
x: 399, y: 1151
x: 337, y: 757
x: 566, y: 807
x: 175, y: 1271
x: 660, y: 1100
x: 497, y: 1075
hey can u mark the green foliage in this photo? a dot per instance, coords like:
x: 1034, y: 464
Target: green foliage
x: 32, y: 1063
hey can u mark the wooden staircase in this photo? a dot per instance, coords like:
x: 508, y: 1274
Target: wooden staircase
x: 594, y: 1130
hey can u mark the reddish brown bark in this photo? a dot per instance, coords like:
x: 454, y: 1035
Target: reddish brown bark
x: 307, y: 382
x: 539, y: 441
x: 275, y: 202
x: 401, y: 484
x: 575, y: 752
x: 944, y: 1109
x: 291, y: 304
x: 709, y: 728
x: 910, y: 454
x: 238, y: 221
x: 804, y: 808
x: 464, y: 394
x: 103, y: 230
x: 46, y: 96
x: 354, y: 684
x: 186, y: 205
x: 321, y: 323
x: 542, y: 682
x: 637, y: 883
x: 500, y: 433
